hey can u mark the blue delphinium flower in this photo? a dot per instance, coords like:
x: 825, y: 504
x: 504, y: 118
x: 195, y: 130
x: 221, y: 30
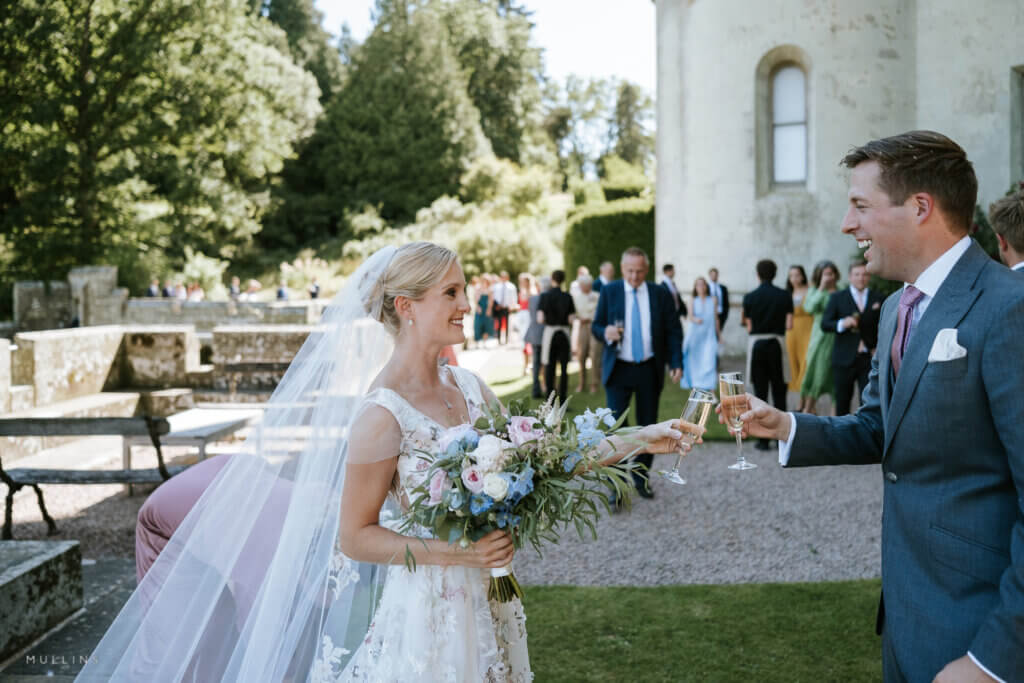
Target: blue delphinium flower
x: 480, y: 503
x: 571, y: 461
x: 606, y: 416
x: 589, y: 438
x: 585, y: 421
x: 455, y: 499
x: 520, y: 485
x: 502, y: 517
x: 470, y: 441
x: 453, y: 450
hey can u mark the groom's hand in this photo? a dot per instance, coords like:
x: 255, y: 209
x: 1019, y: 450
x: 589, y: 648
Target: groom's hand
x: 761, y: 420
x: 962, y: 670
x: 675, y: 375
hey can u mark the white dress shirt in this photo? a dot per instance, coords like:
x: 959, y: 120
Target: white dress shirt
x: 625, y: 345
x: 1017, y: 266
x: 860, y: 298
x: 928, y: 282
x: 716, y: 291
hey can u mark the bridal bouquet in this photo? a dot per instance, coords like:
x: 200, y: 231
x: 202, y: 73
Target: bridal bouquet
x: 532, y: 473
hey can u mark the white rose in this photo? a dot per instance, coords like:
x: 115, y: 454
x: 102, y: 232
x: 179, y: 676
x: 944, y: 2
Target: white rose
x: 489, y: 453
x: 495, y: 486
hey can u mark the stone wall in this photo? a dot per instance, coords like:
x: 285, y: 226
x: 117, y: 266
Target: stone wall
x: 66, y: 364
x: 42, y: 306
x: 159, y: 356
x: 206, y: 315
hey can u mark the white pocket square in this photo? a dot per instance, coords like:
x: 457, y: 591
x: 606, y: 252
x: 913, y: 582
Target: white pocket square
x: 945, y: 347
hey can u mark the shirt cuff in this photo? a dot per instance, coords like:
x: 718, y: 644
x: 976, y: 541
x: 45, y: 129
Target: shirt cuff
x: 784, y: 446
x: 982, y: 667
x: 839, y: 326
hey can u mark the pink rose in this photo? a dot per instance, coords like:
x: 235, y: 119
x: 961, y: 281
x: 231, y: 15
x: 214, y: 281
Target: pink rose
x: 439, y: 483
x: 473, y: 479
x: 523, y: 429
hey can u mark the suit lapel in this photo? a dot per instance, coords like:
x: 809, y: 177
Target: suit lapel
x: 886, y: 332
x: 949, y: 306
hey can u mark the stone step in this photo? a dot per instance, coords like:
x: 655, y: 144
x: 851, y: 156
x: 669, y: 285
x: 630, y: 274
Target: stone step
x: 166, y: 402
x: 214, y: 396
x: 106, y: 404
x: 40, y: 586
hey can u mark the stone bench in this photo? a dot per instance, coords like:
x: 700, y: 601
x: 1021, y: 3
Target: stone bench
x: 40, y: 586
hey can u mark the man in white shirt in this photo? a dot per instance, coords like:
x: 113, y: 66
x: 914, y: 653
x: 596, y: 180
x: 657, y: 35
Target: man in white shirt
x: 606, y: 274
x: 721, y: 293
x: 1007, y: 219
x: 504, y: 293
x: 941, y: 414
x: 668, y: 274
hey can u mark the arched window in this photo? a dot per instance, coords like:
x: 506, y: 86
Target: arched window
x: 789, y: 125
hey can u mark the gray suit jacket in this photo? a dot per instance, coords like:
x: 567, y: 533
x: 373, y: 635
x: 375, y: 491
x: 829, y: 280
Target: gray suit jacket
x: 950, y: 438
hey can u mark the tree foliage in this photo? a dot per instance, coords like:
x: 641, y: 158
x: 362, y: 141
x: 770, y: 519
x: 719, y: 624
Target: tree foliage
x: 141, y: 126
x: 308, y: 42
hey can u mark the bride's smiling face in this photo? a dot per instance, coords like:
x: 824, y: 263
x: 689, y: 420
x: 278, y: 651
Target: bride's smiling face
x: 438, y: 316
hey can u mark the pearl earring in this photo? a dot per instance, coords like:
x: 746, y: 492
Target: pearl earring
x: 410, y: 321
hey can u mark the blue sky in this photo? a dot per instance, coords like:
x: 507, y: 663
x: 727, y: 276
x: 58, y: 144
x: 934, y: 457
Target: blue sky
x: 597, y: 38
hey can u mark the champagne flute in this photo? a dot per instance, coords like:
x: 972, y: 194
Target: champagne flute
x: 620, y: 325
x: 694, y: 417
x: 734, y: 404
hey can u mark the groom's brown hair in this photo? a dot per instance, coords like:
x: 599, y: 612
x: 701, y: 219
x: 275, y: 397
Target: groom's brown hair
x: 923, y: 161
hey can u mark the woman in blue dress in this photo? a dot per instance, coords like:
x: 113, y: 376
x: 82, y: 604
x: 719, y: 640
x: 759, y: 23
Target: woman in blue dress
x: 700, y: 346
x: 483, y: 324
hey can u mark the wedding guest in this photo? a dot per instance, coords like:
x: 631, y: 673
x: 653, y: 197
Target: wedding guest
x: 535, y: 337
x: 556, y: 312
x: 798, y: 338
x: 527, y: 288
x: 503, y: 295
x: 574, y: 286
x: 1007, y: 219
x: 767, y: 314
x: 282, y: 292
x: 668, y: 273
x: 587, y: 346
x: 852, y: 313
x: 700, y: 344
x: 235, y: 290
x: 721, y: 294
x: 314, y: 289
x: 195, y: 292
x: 818, y: 374
x: 483, y: 325
x: 941, y: 414
x: 251, y: 290
x: 154, y: 288
x: 606, y: 273
x: 636, y: 355
x: 168, y: 291
x: 180, y: 293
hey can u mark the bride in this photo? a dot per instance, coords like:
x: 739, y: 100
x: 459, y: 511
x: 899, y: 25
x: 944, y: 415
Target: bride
x: 265, y: 580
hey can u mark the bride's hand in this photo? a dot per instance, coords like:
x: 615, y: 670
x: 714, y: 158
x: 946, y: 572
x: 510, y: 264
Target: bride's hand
x: 493, y: 550
x: 664, y: 437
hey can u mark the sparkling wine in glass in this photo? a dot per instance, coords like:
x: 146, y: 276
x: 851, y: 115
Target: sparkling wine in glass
x: 734, y: 404
x: 620, y: 325
x: 694, y: 417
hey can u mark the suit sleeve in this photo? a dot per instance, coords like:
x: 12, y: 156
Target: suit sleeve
x: 600, y: 320
x: 848, y: 440
x: 832, y: 316
x: 999, y: 643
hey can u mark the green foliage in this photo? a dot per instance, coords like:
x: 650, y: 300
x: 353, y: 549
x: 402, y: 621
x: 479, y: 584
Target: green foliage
x: 586, y: 191
x: 575, y: 120
x: 628, y: 124
x: 207, y: 272
x: 772, y: 633
x: 140, y: 128
x: 603, y: 232
x: 308, y: 42
x: 621, y: 179
x: 299, y: 274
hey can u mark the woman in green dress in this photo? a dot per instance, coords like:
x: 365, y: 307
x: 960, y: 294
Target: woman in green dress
x: 818, y: 376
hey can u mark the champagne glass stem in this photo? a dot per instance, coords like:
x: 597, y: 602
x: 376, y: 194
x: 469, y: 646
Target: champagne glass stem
x: 740, y: 460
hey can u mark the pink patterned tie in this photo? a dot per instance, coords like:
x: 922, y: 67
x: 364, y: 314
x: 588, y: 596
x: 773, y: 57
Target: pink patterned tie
x: 911, y: 295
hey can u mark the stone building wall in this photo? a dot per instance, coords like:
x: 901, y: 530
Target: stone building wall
x: 66, y: 364
x: 5, y: 375
x: 42, y: 306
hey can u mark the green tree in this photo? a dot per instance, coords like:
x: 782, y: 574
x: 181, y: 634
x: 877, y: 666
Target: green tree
x: 140, y: 127
x: 575, y: 120
x: 628, y: 134
x: 308, y: 42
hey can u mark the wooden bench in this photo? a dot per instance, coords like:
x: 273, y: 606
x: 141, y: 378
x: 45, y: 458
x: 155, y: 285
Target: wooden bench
x: 150, y: 427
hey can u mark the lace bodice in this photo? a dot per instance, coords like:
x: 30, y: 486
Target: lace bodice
x: 421, y: 434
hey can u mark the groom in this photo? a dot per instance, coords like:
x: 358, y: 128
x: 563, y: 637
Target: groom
x: 941, y: 413
x: 635, y: 356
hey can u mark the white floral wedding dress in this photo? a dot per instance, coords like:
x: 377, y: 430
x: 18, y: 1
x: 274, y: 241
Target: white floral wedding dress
x: 436, y: 623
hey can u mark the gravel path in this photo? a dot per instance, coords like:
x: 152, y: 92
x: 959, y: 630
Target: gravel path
x: 723, y: 526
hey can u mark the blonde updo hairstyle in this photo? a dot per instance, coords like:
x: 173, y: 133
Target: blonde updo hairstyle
x: 413, y: 270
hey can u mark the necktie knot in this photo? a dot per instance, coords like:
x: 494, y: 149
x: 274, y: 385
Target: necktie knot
x: 910, y: 296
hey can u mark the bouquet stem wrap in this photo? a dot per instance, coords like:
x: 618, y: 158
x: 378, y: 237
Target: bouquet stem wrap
x: 503, y: 586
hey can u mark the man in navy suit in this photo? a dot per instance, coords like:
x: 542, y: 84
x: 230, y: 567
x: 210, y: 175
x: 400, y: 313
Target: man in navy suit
x: 852, y: 314
x: 635, y: 356
x: 941, y: 414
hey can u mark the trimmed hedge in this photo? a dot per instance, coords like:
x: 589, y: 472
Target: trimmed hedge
x: 615, y: 191
x: 601, y: 233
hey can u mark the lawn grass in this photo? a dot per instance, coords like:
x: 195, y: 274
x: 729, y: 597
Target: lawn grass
x: 508, y: 384
x: 746, y: 632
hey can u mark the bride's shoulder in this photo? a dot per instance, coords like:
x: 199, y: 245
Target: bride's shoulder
x: 469, y: 379
x: 375, y: 424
